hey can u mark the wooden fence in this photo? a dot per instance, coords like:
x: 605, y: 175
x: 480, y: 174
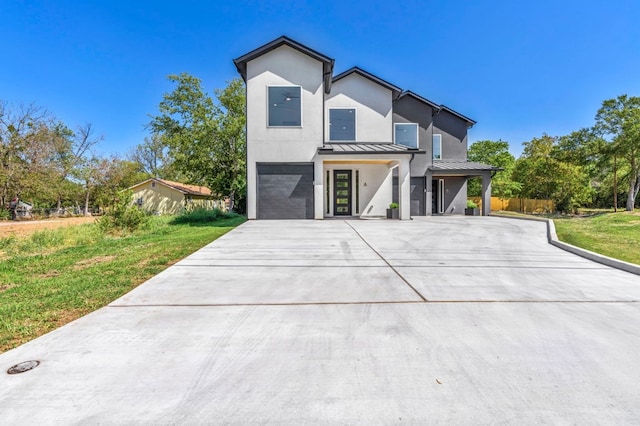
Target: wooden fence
x: 521, y: 205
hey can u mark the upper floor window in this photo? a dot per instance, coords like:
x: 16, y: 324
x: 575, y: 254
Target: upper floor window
x: 342, y: 124
x: 285, y: 108
x: 437, y: 147
x: 406, y: 134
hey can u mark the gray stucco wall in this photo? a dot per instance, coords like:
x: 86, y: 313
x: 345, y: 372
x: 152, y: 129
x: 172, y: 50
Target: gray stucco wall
x: 410, y: 110
x: 455, y: 191
x: 454, y: 135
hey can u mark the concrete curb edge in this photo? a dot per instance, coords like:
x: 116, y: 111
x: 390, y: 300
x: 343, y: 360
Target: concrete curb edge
x: 552, y: 238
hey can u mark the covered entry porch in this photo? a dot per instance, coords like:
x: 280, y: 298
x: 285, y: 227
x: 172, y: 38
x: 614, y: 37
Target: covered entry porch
x: 357, y: 179
x: 446, y: 183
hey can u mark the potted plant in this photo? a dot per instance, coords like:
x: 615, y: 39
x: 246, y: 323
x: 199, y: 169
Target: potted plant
x: 392, y: 211
x: 472, y: 209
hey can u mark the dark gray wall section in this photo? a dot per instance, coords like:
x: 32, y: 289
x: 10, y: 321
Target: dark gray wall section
x: 285, y: 191
x: 455, y: 191
x: 410, y: 110
x: 454, y: 135
x: 455, y: 194
x: 418, y: 195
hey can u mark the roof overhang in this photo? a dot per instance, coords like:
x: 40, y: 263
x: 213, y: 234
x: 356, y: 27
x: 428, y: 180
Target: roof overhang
x: 461, y: 168
x: 469, y: 121
x: 395, y: 90
x: 366, y: 149
x: 327, y: 62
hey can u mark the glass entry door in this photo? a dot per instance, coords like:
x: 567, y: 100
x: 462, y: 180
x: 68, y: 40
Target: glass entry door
x: 342, y: 192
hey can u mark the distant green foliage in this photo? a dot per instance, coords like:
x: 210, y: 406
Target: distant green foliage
x: 495, y: 153
x: 203, y: 216
x: 123, y: 216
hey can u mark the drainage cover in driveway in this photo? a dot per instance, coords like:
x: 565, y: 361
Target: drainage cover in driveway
x: 23, y: 366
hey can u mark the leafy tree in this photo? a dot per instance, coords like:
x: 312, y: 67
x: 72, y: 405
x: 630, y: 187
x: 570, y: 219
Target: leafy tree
x: 497, y: 154
x: 618, y: 122
x: 153, y: 157
x: 206, y: 140
x: 544, y: 175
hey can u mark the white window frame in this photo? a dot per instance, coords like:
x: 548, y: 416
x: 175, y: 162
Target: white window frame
x: 355, y: 125
x: 269, y: 104
x: 433, y: 142
x: 395, y: 127
x: 440, y: 197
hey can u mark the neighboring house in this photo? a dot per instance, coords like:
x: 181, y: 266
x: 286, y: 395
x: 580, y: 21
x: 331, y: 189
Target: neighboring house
x: 320, y: 145
x: 165, y: 197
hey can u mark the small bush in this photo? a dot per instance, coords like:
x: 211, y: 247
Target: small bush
x: 394, y: 205
x: 203, y: 216
x: 471, y: 204
x: 124, y: 216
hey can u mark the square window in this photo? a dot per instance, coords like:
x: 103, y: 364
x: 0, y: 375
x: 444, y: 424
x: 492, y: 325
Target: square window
x: 285, y: 106
x: 406, y: 134
x: 342, y: 124
x: 437, y: 147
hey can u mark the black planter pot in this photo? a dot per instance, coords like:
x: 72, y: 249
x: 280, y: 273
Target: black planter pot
x: 393, y: 213
x: 472, y: 212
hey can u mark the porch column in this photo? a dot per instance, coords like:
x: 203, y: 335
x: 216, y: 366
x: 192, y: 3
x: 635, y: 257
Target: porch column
x: 318, y: 190
x: 429, y: 194
x: 486, y: 194
x: 404, y: 186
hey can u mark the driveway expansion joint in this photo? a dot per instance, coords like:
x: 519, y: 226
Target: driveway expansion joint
x: 387, y: 262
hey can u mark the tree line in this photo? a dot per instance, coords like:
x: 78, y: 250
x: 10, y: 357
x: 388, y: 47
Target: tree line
x: 195, y: 139
x: 200, y: 139
x: 597, y: 166
x: 48, y: 164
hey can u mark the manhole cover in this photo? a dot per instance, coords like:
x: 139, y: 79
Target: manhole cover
x: 23, y: 366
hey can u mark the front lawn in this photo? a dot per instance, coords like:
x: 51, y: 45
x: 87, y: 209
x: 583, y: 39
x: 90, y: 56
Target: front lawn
x: 52, y: 277
x: 615, y: 235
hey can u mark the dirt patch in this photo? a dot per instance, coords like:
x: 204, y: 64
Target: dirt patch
x: 49, y: 274
x: 19, y: 229
x: 84, y: 264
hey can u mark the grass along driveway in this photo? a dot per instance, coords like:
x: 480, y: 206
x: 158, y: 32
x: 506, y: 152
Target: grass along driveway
x: 55, y: 276
x: 615, y: 235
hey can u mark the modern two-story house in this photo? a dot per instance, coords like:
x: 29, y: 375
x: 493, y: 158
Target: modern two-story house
x: 320, y: 145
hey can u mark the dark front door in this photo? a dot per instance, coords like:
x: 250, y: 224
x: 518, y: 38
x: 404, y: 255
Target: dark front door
x: 342, y: 192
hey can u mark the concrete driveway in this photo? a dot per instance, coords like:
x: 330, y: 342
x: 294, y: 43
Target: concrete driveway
x: 439, y: 320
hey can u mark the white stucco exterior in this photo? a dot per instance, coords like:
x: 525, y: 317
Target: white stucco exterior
x: 283, y: 66
x: 373, y: 104
x: 296, y: 162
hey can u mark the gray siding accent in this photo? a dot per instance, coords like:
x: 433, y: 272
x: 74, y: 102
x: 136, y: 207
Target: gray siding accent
x: 285, y: 191
x: 409, y: 110
x: 418, y: 195
x: 455, y: 194
x: 454, y: 135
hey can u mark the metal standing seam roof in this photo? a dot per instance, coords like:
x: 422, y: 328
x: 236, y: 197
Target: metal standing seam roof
x: 460, y: 165
x: 367, y: 148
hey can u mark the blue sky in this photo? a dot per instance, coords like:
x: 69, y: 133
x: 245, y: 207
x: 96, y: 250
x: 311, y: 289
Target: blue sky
x: 520, y: 69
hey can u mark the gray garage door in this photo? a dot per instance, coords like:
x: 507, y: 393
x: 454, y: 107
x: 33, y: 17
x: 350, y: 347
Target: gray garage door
x: 418, y: 206
x: 285, y: 191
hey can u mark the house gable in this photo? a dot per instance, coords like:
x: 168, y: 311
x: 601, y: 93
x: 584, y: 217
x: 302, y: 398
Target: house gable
x: 370, y: 97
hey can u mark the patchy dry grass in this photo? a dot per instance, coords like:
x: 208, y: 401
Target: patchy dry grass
x: 52, y: 277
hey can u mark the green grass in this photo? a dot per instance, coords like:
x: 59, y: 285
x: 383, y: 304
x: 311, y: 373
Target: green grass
x: 55, y: 276
x: 615, y: 235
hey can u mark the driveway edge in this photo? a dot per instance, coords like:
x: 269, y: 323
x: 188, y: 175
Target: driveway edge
x: 552, y: 238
